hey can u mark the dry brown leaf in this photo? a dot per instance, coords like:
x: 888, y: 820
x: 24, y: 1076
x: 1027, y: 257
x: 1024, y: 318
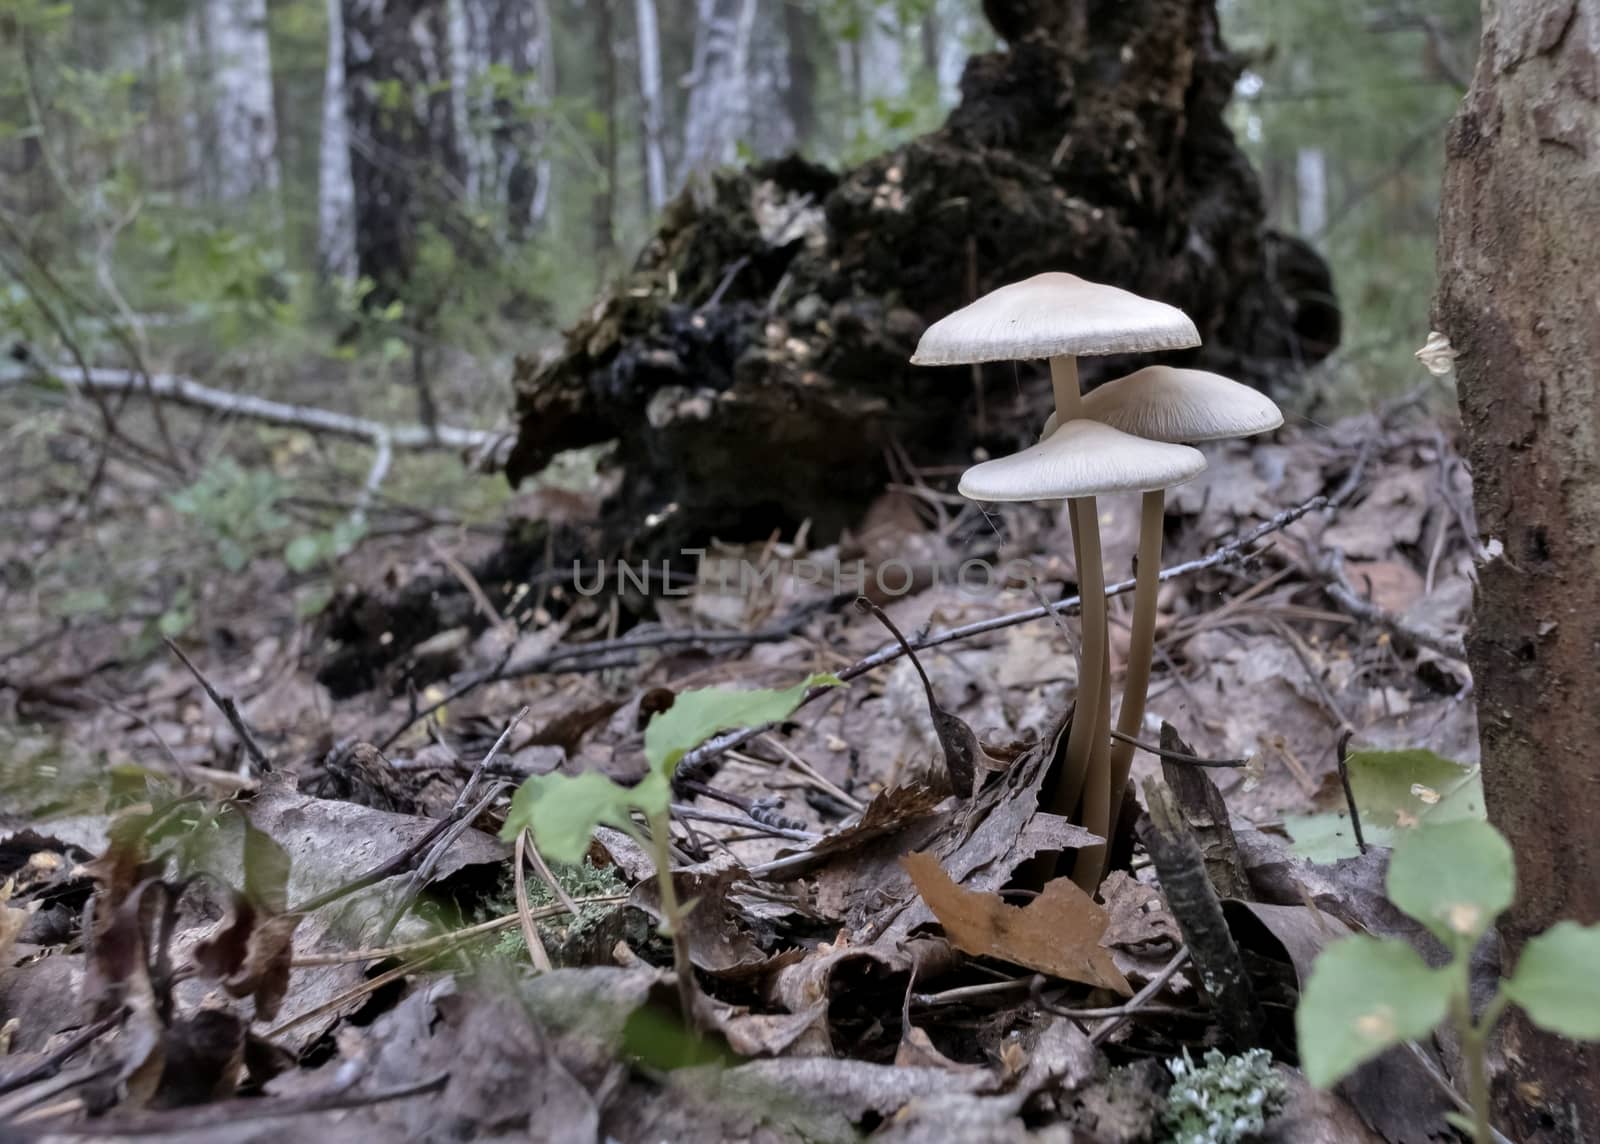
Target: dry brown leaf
x: 1057, y: 933
x: 1138, y: 913
x: 1393, y: 585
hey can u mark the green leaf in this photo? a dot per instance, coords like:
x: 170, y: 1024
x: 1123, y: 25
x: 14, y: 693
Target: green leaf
x: 695, y: 716
x: 1555, y: 982
x: 302, y: 553
x: 563, y: 810
x: 1366, y: 995
x: 1395, y: 791
x: 1455, y: 879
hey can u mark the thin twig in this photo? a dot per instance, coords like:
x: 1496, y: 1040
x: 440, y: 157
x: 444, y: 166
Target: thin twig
x: 1176, y: 756
x: 530, y: 931
x: 714, y: 747
x: 229, y: 709
x: 1349, y: 794
x: 1343, y: 593
x: 186, y: 391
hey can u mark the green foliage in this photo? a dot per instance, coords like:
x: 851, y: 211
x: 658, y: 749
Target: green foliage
x: 1368, y: 994
x: 1395, y: 791
x: 1555, y: 981
x: 237, y: 508
x: 1455, y: 879
x: 1221, y: 1101
x: 563, y: 810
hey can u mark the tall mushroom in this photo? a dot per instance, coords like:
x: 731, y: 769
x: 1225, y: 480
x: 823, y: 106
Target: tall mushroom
x: 1062, y: 317
x: 1078, y: 462
x: 1161, y: 403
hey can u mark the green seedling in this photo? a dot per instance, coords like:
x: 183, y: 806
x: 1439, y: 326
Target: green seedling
x: 1394, y: 792
x: 562, y: 811
x: 1369, y: 994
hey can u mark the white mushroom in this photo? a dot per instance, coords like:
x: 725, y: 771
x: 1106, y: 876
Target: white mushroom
x: 1061, y: 317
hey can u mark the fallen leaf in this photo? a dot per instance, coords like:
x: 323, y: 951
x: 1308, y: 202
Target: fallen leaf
x: 1057, y: 933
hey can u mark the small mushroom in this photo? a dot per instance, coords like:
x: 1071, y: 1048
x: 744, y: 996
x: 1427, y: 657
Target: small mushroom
x: 1082, y: 460
x: 1062, y: 317
x: 1174, y: 405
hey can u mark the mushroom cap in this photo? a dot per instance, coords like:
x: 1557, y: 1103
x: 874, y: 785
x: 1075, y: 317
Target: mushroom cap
x: 1082, y: 459
x: 1167, y: 404
x: 1053, y: 314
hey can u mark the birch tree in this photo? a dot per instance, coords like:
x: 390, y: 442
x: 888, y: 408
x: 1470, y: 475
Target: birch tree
x: 244, y: 129
x: 336, y: 195
x: 718, y: 109
x: 648, y: 35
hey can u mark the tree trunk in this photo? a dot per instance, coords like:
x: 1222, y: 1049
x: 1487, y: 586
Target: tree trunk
x: 336, y: 195
x: 244, y: 155
x: 719, y: 105
x: 754, y: 363
x: 604, y: 204
x: 648, y: 36
x: 1518, y: 265
x: 408, y: 162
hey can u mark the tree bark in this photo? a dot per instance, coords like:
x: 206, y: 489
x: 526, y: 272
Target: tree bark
x: 336, y: 194
x: 408, y: 162
x: 719, y: 100
x: 648, y: 36
x: 1518, y: 265
x: 604, y: 203
x: 245, y: 144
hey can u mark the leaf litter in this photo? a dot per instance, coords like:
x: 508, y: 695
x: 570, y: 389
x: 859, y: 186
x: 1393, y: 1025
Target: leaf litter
x: 904, y: 972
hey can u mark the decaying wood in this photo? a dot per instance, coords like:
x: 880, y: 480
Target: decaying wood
x: 1194, y: 904
x: 1517, y: 269
x: 753, y: 365
x: 1206, y: 813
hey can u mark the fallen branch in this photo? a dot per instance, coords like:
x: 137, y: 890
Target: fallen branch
x: 1339, y: 589
x: 230, y: 711
x: 712, y: 748
x: 188, y: 392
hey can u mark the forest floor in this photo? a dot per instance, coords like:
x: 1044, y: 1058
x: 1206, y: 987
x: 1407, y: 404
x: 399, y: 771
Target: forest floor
x: 368, y: 968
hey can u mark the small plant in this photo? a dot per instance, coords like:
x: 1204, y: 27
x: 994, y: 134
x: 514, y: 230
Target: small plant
x: 1223, y: 1100
x: 562, y: 811
x: 1368, y: 994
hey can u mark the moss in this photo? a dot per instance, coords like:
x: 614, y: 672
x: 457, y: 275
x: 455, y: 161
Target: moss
x: 1223, y: 1100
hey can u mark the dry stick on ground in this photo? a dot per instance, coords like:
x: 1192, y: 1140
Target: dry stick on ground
x: 1194, y: 905
x: 231, y: 1113
x: 229, y: 709
x: 51, y: 1064
x: 449, y: 940
x: 530, y: 931
x: 712, y: 748
x: 1350, y: 795
x: 1343, y: 593
x: 402, y: 860
x: 185, y: 391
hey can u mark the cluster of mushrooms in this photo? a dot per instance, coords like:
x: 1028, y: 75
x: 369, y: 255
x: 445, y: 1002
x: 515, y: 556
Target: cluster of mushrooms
x: 1129, y: 435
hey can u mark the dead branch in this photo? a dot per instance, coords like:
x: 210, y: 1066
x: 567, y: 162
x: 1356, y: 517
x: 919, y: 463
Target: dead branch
x: 1342, y: 592
x: 186, y: 391
x: 230, y: 711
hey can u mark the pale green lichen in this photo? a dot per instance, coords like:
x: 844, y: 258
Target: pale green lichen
x: 1223, y: 1100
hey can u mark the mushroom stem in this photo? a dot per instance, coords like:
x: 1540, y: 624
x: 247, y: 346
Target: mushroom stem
x: 1141, y: 647
x: 1083, y: 514
x: 1064, y: 380
x: 1097, y: 809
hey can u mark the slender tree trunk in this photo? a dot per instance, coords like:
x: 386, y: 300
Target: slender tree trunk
x: 336, y: 194
x: 245, y: 144
x: 604, y: 204
x: 407, y: 159
x: 719, y: 105
x: 802, y: 34
x: 771, y: 129
x: 648, y: 36
x: 1311, y: 185
x: 1518, y: 265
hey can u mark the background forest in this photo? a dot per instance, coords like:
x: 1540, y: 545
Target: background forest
x: 355, y: 196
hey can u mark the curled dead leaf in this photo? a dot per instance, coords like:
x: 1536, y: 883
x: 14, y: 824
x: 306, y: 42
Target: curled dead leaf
x: 1057, y: 933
